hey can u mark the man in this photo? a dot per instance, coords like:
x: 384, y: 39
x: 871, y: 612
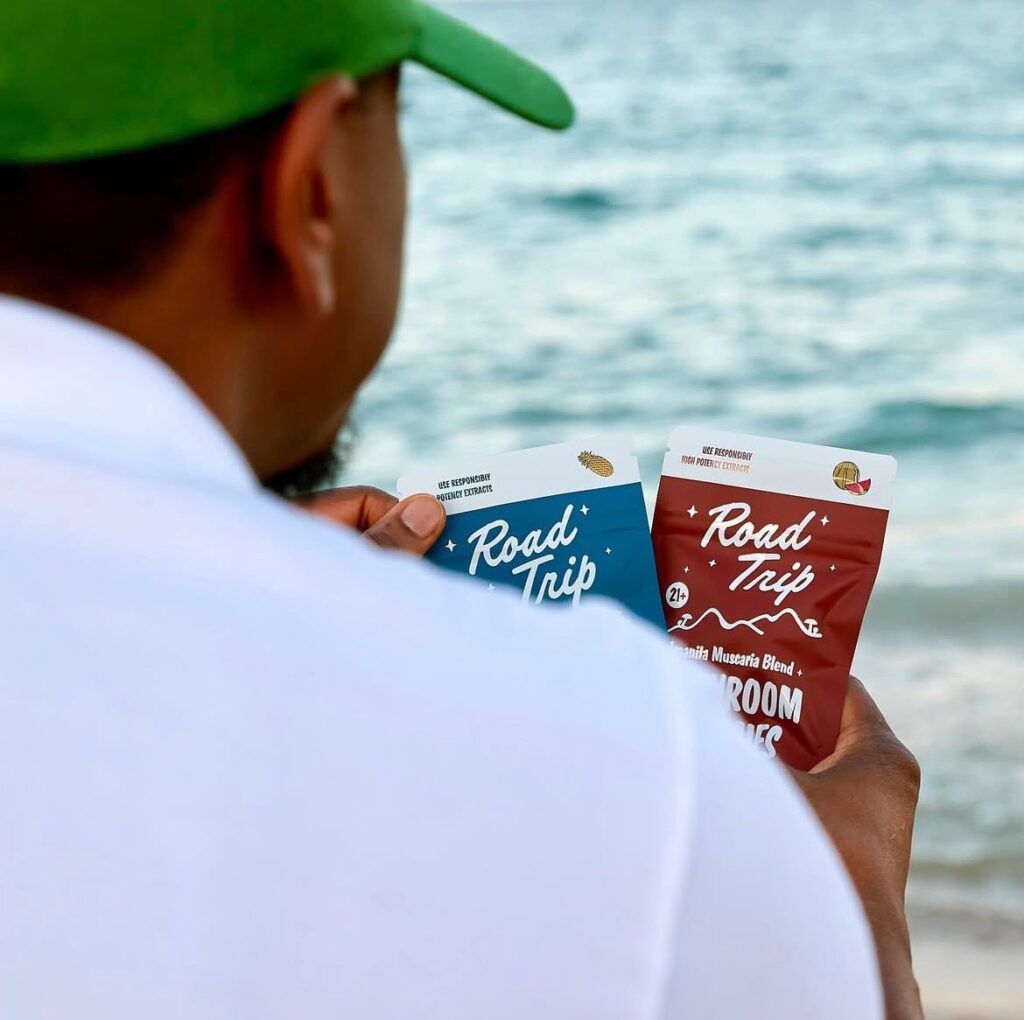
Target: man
x: 254, y: 766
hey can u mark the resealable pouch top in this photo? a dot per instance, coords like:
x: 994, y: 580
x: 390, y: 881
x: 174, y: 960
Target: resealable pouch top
x: 767, y: 552
x: 559, y: 524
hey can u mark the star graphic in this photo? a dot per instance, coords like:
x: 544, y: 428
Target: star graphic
x: 450, y: 546
x: 686, y: 570
x: 584, y: 509
x: 799, y: 672
x: 832, y: 568
x: 692, y: 512
x: 607, y: 552
x: 491, y: 587
x: 713, y: 563
x: 825, y: 521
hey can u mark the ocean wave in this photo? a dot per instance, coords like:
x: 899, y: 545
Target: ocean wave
x: 965, y: 920
x: 586, y: 203
x: 991, y: 609
x: 838, y: 235
x: 1007, y: 867
x: 911, y: 424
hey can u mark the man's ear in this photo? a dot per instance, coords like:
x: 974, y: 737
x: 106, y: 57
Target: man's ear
x: 299, y: 193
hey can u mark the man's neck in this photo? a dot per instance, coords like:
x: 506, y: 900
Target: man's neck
x: 179, y: 317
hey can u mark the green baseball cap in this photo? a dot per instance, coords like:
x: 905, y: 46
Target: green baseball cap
x: 84, y: 78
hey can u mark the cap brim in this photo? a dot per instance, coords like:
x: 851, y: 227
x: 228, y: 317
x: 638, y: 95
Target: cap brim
x: 453, y: 49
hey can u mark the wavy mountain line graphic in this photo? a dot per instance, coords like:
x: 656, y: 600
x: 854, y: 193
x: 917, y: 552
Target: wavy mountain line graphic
x: 808, y: 626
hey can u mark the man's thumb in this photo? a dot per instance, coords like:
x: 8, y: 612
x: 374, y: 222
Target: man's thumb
x: 413, y: 525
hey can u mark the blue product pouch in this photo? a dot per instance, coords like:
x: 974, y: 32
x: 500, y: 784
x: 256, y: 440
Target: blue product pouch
x: 559, y: 524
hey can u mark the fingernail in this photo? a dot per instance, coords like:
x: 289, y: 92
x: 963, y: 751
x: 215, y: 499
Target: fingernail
x: 423, y: 515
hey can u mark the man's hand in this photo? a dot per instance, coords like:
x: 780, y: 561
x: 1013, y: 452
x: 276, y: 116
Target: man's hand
x: 412, y: 525
x: 865, y: 795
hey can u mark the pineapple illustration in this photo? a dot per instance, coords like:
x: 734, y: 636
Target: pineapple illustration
x: 595, y: 462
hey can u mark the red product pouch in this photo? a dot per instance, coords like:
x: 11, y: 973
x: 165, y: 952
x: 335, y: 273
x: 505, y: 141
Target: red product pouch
x: 767, y: 552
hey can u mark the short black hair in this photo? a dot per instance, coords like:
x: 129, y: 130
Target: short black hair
x: 104, y: 223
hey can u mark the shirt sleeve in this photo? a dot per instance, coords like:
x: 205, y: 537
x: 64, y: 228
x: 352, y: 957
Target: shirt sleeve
x: 767, y: 923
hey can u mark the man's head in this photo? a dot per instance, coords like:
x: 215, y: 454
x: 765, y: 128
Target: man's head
x: 261, y: 260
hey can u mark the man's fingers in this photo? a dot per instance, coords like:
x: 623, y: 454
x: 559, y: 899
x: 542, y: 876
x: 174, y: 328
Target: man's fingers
x: 356, y: 506
x: 860, y: 710
x: 865, y: 737
x: 861, y: 723
x: 413, y: 525
x: 862, y: 715
x: 862, y: 726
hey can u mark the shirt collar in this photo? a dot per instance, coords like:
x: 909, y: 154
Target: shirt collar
x: 73, y: 389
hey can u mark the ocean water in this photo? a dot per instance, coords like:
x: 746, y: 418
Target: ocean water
x: 786, y: 217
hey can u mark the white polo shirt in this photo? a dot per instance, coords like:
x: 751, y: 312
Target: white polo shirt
x: 254, y: 768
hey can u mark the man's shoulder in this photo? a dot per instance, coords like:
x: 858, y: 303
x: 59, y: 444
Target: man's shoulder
x: 202, y: 572
x: 461, y: 619
x: 393, y: 613
x: 333, y: 562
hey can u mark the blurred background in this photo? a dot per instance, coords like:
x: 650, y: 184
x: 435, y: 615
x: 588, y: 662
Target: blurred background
x: 790, y: 218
